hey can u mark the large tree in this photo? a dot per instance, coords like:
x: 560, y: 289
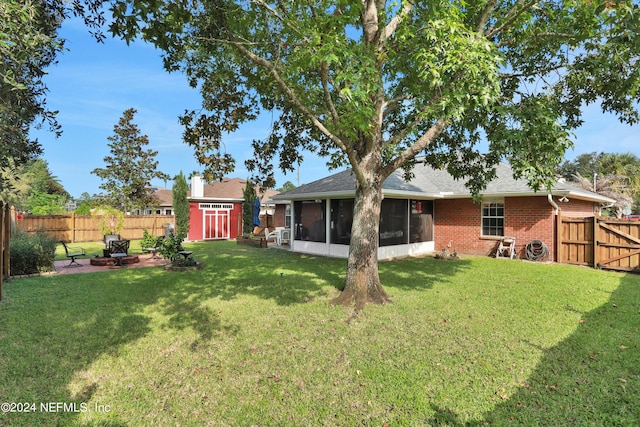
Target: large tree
x: 612, y: 174
x: 372, y: 84
x: 32, y: 187
x: 29, y: 43
x: 130, y: 167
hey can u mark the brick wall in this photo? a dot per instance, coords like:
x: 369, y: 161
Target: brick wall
x: 458, y: 224
x: 576, y: 208
x: 530, y: 218
x: 279, y: 216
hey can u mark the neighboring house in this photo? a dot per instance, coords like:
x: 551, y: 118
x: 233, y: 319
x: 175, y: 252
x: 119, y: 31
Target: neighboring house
x: 431, y: 212
x: 216, y: 209
x: 165, y: 202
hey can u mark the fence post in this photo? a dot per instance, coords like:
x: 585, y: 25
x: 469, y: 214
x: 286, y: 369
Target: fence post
x: 596, y: 237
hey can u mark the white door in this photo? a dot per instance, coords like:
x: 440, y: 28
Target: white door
x: 216, y: 224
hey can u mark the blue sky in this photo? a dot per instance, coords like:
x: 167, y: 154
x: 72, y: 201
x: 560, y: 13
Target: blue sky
x: 93, y: 84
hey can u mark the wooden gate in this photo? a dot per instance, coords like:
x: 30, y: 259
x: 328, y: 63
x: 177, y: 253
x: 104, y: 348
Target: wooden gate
x: 617, y: 244
x: 607, y: 243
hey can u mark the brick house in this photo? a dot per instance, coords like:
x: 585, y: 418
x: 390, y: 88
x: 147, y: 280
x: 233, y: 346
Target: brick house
x: 431, y: 212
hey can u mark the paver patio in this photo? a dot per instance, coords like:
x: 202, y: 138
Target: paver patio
x: 86, y: 267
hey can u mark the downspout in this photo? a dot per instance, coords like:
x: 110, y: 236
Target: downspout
x: 555, y: 224
x: 553, y: 203
x: 603, y: 206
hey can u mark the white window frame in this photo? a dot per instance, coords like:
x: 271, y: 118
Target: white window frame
x: 288, y: 215
x: 216, y: 206
x: 492, y: 206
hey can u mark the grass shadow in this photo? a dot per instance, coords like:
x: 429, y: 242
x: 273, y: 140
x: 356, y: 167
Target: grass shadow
x: 55, y: 326
x: 590, y: 378
x: 420, y: 273
x: 281, y: 276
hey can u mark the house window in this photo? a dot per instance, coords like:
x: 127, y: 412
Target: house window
x: 287, y: 215
x: 493, y: 219
x: 223, y: 206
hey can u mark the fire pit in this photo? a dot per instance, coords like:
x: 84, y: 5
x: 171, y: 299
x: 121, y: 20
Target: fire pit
x: 103, y: 261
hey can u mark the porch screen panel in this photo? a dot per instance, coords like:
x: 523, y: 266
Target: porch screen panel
x: 310, y: 223
x: 421, y: 221
x: 393, y: 222
x: 341, y: 220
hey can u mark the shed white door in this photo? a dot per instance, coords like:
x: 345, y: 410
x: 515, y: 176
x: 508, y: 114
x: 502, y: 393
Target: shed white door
x: 216, y: 224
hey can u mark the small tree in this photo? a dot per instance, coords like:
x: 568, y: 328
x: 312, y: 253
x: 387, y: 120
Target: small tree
x: 130, y: 168
x: 181, y: 206
x: 249, y: 195
x: 111, y: 219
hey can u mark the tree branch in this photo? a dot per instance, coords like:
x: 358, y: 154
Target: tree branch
x: 407, y: 129
x: 328, y: 102
x: 484, y: 17
x: 290, y: 94
x: 436, y: 129
x: 391, y: 105
x: 287, y: 23
x: 538, y: 71
x: 391, y: 27
x: 369, y: 19
x: 547, y: 34
x: 511, y: 16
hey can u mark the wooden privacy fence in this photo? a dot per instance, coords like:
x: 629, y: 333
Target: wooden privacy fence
x: 86, y: 228
x: 601, y: 242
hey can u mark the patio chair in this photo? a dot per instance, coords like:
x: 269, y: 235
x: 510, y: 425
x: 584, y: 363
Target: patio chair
x: 275, y: 235
x: 119, y: 246
x: 507, y: 248
x: 107, y: 239
x: 72, y: 253
x: 119, y: 249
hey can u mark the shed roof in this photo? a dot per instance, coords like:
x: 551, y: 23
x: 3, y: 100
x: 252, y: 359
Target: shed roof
x: 229, y: 189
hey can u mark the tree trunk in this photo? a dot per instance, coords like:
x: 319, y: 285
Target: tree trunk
x: 362, y: 285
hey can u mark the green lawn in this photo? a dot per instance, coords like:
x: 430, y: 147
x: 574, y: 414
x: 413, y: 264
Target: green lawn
x: 251, y: 340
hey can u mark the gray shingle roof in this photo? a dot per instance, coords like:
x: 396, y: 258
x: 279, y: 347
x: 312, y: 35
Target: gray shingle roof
x: 429, y: 183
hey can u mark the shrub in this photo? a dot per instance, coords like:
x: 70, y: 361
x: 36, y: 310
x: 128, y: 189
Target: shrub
x: 148, y: 240
x: 31, y: 254
x: 170, y: 246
